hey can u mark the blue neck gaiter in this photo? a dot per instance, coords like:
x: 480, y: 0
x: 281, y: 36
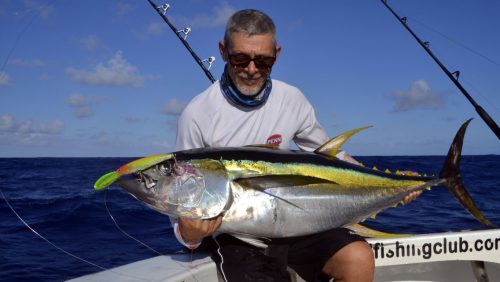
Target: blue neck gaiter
x: 234, y: 96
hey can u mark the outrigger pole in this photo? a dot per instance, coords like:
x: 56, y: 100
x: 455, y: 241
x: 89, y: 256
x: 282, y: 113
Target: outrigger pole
x: 162, y: 11
x: 453, y: 76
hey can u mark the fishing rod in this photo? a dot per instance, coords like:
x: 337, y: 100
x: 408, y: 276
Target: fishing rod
x: 453, y: 76
x: 162, y: 11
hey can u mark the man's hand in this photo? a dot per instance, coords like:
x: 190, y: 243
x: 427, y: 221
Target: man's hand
x: 193, y: 230
x: 413, y: 195
x: 410, y: 197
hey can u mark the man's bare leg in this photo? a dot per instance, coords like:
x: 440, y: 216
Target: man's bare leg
x: 354, y: 262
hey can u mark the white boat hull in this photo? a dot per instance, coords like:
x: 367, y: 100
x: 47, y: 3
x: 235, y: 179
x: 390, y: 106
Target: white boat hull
x: 431, y: 257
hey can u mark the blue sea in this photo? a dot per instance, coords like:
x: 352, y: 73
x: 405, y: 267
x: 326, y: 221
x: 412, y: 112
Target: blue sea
x: 55, y: 197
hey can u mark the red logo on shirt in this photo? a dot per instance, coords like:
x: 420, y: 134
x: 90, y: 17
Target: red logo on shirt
x: 274, y: 139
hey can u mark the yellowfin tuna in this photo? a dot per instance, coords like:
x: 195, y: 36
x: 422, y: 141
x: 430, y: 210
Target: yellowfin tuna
x: 266, y: 192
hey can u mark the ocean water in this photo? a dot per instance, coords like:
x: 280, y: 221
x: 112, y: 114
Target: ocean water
x: 55, y: 197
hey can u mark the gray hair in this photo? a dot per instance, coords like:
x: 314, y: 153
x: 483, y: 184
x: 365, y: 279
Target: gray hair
x: 251, y: 22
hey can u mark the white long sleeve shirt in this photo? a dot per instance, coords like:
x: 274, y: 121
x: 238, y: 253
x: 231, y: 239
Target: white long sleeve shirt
x: 210, y: 120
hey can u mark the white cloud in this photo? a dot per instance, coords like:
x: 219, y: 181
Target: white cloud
x: 420, y: 95
x: 25, y: 128
x: 81, y: 104
x: 35, y: 62
x: 45, y: 76
x: 53, y: 127
x: 44, y: 10
x: 84, y: 112
x: 155, y: 28
x: 77, y: 100
x: 4, y: 79
x: 7, y: 123
x: 25, y: 133
x: 123, y: 9
x: 222, y: 14
x: 174, y: 107
x: 90, y: 42
x: 218, y: 17
x: 115, y: 72
x: 134, y: 120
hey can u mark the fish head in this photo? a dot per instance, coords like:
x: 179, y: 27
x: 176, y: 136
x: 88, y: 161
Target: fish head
x: 189, y: 189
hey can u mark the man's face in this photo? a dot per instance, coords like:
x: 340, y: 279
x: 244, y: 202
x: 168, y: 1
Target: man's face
x: 249, y: 79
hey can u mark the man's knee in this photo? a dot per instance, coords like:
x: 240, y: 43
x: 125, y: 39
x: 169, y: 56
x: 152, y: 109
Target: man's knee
x: 354, y: 262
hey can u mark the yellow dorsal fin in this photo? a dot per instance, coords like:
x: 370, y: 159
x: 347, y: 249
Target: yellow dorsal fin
x: 375, y: 168
x: 368, y: 232
x: 331, y: 147
x: 387, y: 171
x: 398, y: 172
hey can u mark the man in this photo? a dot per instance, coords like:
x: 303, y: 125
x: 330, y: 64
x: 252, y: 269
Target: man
x: 247, y: 107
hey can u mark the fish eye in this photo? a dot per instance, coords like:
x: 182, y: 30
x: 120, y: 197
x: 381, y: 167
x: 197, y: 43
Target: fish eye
x: 165, y: 169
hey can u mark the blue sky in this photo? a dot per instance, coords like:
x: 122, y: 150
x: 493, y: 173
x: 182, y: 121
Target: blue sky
x: 108, y: 78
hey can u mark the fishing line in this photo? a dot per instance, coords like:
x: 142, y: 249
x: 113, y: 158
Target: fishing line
x: 140, y: 242
x: 480, y: 94
x: 45, y: 239
x: 40, y: 9
x: 452, y: 76
x: 2, y: 68
x: 21, y: 33
x: 121, y: 229
x: 456, y: 42
x: 466, y: 48
x: 61, y: 249
x: 78, y: 257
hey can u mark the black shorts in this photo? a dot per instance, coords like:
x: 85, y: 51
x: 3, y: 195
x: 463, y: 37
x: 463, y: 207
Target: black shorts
x: 239, y: 261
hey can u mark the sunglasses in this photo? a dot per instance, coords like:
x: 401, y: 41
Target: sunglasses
x: 242, y: 61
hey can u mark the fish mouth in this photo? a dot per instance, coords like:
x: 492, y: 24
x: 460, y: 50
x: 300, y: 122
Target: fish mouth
x: 196, y: 194
x: 137, y: 189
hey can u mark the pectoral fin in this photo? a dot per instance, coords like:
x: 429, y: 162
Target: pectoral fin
x: 264, y: 182
x: 261, y: 183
